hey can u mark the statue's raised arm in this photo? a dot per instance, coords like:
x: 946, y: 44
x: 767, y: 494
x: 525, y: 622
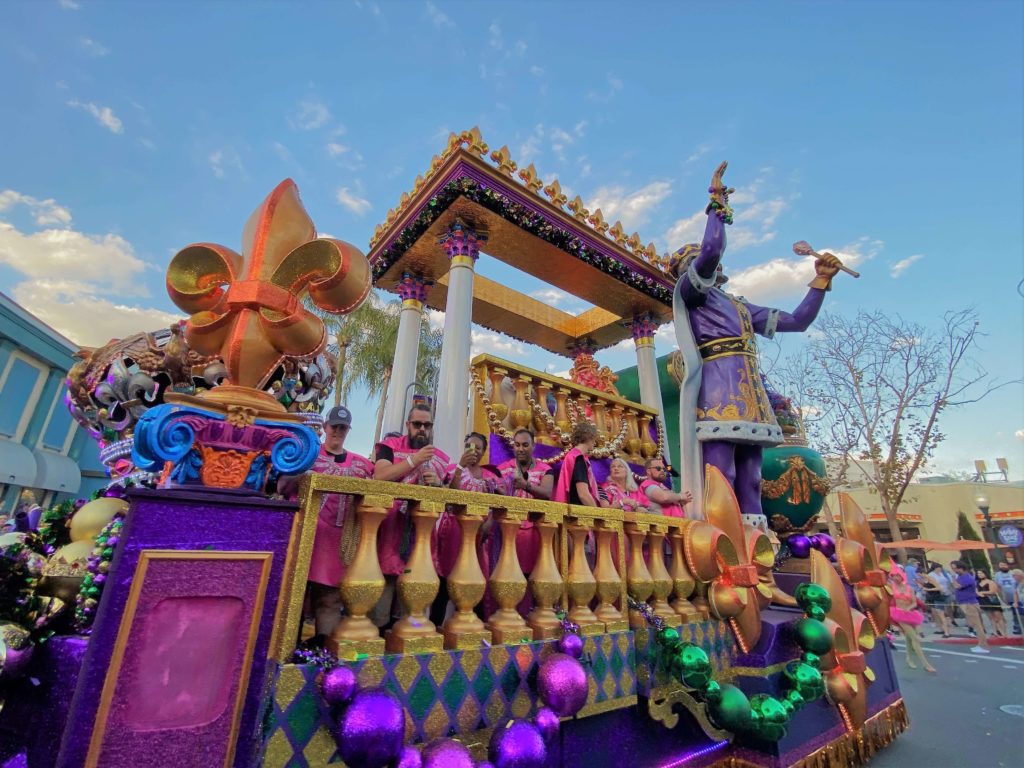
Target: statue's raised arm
x: 706, y: 267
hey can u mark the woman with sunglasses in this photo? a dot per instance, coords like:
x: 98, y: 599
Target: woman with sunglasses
x: 620, y: 491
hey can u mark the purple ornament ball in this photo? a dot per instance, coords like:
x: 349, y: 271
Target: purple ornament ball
x: 562, y: 684
x: 799, y: 545
x: 446, y: 753
x: 15, y: 661
x: 410, y: 757
x: 571, y: 644
x: 826, y: 545
x: 518, y: 745
x: 547, y: 723
x: 372, y: 729
x: 338, y: 685
x: 485, y: 764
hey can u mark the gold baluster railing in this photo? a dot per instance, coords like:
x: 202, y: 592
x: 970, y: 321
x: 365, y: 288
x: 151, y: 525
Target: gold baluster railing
x: 660, y: 579
x: 466, y: 585
x: 610, y: 586
x: 362, y: 585
x: 417, y: 587
x: 546, y: 583
x: 639, y: 583
x: 683, y: 583
x: 508, y: 585
x: 580, y: 583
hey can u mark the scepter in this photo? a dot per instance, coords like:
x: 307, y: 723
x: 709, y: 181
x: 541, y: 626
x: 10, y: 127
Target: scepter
x: 802, y: 248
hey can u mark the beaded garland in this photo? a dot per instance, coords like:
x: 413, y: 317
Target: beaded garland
x: 761, y: 716
x: 98, y: 567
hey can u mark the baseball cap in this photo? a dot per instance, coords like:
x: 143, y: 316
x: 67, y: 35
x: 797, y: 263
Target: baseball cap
x: 339, y: 415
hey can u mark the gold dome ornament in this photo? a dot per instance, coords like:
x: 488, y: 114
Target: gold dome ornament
x: 63, y: 573
x: 864, y: 564
x: 846, y: 672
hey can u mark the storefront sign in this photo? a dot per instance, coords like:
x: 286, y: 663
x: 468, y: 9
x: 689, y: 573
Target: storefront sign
x: 1011, y: 536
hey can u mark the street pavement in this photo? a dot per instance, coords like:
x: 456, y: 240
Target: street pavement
x: 969, y: 715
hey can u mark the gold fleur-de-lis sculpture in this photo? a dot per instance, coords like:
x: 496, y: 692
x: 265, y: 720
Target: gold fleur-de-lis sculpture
x: 864, y: 564
x: 846, y: 672
x: 246, y: 307
x: 733, y: 557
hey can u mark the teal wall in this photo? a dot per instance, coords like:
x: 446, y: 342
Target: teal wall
x: 629, y: 387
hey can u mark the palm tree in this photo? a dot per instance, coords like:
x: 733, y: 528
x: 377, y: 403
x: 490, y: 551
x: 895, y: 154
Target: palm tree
x: 348, y: 330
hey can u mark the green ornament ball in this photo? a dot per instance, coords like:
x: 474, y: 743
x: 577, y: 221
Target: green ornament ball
x: 712, y: 692
x: 732, y: 711
x: 811, y: 594
x: 804, y: 679
x: 692, y: 666
x: 811, y: 658
x: 668, y: 636
x: 771, y: 717
x: 816, y: 612
x: 795, y: 699
x: 813, y: 636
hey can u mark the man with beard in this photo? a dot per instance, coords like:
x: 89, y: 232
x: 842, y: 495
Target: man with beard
x: 410, y: 459
x: 527, y: 478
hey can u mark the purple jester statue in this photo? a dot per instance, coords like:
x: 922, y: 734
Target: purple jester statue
x: 725, y: 416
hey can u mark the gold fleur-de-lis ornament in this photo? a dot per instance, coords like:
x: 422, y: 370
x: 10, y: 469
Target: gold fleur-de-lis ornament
x: 864, y: 564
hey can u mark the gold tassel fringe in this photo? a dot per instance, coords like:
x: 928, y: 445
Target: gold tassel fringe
x: 851, y: 750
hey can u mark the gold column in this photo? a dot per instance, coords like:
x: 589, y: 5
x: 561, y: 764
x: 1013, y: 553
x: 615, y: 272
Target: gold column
x: 638, y: 579
x: 417, y: 587
x: 562, y: 411
x: 466, y: 586
x: 545, y: 583
x: 361, y: 587
x: 500, y: 409
x: 632, y: 438
x: 540, y: 424
x: 660, y: 579
x: 700, y: 600
x: 521, y: 415
x: 609, y: 583
x: 508, y: 586
x: 615, y: 420
x: 683, y: 582
x: 647, y: 446
x: 581, y: 583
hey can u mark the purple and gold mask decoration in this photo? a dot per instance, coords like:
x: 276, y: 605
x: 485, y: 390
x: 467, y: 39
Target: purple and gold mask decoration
x: 246, y: 307
x: 847, y: 674
x: 864, y: 564
x: 735, y: 558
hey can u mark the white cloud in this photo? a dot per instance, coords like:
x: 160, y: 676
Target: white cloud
x: 603, y: 96
x: 437, y: 17
x: 104, y: 115
x: 485, y: 342
x: 68, y: 5
x: 495, y: 40
x: 334, y: 149
x: 435, y: 318
x: 633, y: 208
x: 754, y: 223
x: 310, y: 115
x: 282, y: 152
x: 687, y: 230
x: 92, y: 47
x: 537, y: 71
x: 786, y: 278
x: 147, y: 144
x: 68, y: 274
x: 64, y: 305
x: 224, y: 159
x: 45, y: 212
x: 349, y: 199
x: 521, y: 47
x: 1019, y: 434
x: 900, y: 267
x: 698, y: 153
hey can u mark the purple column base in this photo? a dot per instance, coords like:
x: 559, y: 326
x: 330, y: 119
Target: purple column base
x: 182, y: 520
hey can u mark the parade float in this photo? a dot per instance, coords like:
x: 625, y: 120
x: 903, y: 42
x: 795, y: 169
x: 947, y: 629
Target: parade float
x: 160, y: 624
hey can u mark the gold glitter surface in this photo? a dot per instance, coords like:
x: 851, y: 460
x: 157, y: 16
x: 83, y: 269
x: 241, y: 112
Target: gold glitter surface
x: 521, y: 704
x: 471, y: 662
x: 279, y: 751
x: 436, y: 723
x: 320, y: 748
x: 372, y: 673
x: 439, y: 665
x: 608, y: 687
x: 405, y: 671
x: 468, y: 715
x: 499, y: 658
x: 495, y: 706
x: 289, y: 682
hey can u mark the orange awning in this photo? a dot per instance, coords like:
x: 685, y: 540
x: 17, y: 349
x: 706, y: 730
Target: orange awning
x: 960, y: 545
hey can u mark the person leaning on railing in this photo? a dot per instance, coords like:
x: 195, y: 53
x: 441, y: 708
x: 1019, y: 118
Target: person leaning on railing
x: 621, y: 490
x: 662, y: 500
x: 575, y: 483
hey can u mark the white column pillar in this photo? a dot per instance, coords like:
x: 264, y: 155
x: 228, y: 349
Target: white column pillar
x: 461, y: 245
x: 413, y: 291
x: 643, y: 329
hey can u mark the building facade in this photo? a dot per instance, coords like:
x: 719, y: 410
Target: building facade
x: 43, y: 451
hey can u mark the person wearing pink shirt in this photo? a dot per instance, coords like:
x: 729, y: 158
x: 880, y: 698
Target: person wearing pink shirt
x: 662, y: 500
x: 621, y: 491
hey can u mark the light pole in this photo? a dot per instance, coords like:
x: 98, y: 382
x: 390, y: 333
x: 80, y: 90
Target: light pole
x: 981, y: 502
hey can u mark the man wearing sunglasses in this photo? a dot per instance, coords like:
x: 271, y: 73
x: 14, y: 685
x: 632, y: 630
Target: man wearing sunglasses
x: 409, y: 458
x: 663, y: 501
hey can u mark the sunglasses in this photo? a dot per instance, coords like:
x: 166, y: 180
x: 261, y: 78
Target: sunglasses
x: 342, y: 427
x: 656, y: 467
x: 421, y: 424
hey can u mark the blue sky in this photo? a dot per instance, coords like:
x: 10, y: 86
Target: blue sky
x: 887, y: 132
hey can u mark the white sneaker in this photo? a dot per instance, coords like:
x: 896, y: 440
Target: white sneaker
x: 979, y: 649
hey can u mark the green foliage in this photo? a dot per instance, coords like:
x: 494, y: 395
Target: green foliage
x: 964, y: 530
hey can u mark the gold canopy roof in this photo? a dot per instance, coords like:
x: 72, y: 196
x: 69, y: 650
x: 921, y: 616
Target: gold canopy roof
x: 531, y: 227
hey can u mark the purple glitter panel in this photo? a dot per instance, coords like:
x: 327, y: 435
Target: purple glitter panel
x: 182, y: 520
